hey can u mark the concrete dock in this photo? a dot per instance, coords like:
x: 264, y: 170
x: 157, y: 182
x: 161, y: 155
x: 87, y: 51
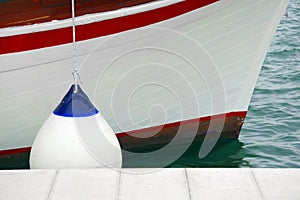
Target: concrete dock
x: 152, y: 184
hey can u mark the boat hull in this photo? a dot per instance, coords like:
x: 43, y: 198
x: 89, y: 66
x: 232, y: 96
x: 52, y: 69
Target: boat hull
x: 179, y: 70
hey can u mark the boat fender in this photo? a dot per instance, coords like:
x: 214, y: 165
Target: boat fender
x: 75, y: 135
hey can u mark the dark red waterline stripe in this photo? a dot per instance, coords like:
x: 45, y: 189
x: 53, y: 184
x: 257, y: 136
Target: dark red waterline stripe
x: 31, y: 41
x: 231, y: 114
x: 190, y: 121
x: 14, y: 151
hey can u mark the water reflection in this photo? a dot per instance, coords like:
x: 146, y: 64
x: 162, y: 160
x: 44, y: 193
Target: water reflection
x: 16, y: 161
x: 226, y: 153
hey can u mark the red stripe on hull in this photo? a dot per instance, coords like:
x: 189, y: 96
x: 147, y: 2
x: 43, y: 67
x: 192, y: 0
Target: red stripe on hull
x: 14, y: 151
x: 61, y: 36
x: 241, y: 115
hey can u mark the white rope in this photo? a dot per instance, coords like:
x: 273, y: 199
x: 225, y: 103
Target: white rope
x: 75, y: 68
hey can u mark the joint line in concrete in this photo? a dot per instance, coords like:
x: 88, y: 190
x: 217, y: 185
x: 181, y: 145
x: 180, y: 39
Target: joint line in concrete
x: 119, y: 185
x: 257, y: 185
x: 187, y: 183
x: 52, y: 185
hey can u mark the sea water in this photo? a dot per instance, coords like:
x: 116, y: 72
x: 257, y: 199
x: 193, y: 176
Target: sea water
x: 271, y: 133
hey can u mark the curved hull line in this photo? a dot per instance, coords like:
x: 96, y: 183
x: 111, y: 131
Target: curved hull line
x: 241, y: 115
x: 31, y: 41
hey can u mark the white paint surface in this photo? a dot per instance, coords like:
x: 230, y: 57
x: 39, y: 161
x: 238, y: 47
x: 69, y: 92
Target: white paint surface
x: 198, y: 64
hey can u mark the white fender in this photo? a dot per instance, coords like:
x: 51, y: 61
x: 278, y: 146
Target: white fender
x: 75, y: 135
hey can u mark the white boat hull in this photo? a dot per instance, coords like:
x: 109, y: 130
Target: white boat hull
x: 202, y: 63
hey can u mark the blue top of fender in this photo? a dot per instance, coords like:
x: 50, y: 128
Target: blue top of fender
x: 75, y: 104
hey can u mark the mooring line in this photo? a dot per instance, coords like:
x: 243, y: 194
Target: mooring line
x: 75, y: 68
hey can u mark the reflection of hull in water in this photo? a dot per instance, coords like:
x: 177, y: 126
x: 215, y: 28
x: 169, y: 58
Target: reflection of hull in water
x: 198, y: 62
x: 226, y: 153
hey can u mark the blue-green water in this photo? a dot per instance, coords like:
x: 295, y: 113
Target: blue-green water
x: 271, y: 133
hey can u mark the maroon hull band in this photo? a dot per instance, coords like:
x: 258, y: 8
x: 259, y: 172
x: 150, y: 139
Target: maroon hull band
x: 31, y: 41
x: 153, y: 137
x: 160, y: 135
